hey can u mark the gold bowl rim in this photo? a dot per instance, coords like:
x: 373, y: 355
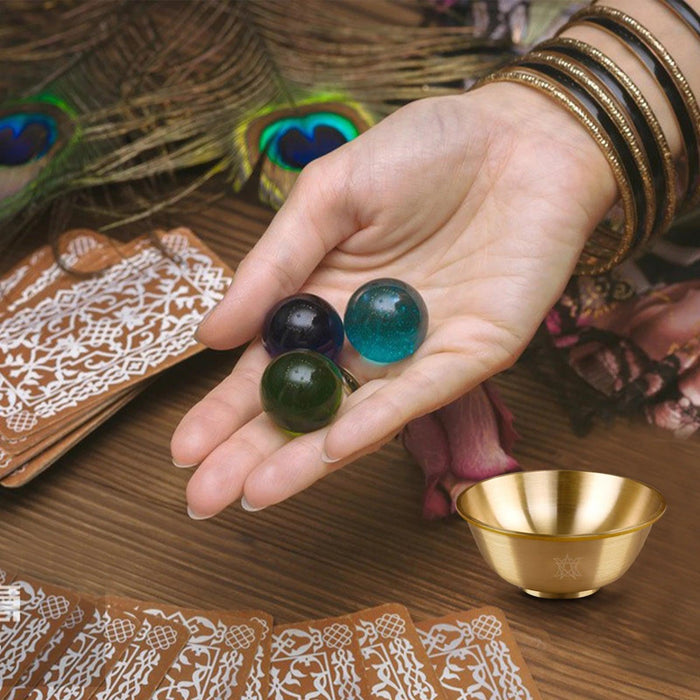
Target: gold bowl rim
x: 555, y: 537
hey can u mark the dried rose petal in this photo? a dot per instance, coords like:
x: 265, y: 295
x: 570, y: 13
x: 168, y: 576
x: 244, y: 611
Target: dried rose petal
x: 474, y: 437
x: 463, y: 442
x: 426, y: 440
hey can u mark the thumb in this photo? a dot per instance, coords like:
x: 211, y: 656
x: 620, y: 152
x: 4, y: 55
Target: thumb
x: 315, y: 218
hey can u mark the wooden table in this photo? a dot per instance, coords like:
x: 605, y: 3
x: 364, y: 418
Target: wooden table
x: 110, y: 517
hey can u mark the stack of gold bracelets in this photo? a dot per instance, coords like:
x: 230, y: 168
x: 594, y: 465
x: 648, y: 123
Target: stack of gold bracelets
x: 614, y: 112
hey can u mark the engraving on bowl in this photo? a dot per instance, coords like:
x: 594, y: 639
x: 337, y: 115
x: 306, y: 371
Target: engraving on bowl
x: 568, y: 567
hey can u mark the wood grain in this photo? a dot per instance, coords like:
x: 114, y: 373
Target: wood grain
x: 110, y: 517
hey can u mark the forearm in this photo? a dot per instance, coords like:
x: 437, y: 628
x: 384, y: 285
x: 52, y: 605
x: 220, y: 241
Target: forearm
x: 673, y: 33
x: 627, y: 76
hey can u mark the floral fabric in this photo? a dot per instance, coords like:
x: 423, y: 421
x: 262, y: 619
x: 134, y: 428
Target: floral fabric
x: 633, y: 335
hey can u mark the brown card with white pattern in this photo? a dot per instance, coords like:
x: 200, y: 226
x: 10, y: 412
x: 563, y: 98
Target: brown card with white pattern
x: 257, y: 684
x: 78, y: 673
x: 25, y: 472
x: 22, y: 468
x: 145, y: 660
x: 476, y: 656
x: 217, y: 659
x: 395, y: 663
x: 66, y: 349
x: 54, y: 649
x: 318, y: 659
x: 81, y: 250
x: 41, y: 612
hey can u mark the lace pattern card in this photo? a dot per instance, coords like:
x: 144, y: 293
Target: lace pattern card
x: 217, y: 659
x: 89, y: 656
x: 63, y: 646
x: 318, y: 659
x: 54, y: 649
x: 23, y: 472
x: 42, y: 610
x: 78, y: 249
x: 22, y: 468
x: 145, y: 660
x: 396, y: 665
x: 6, y: 575
x: 65, y: 349
x: 256, y: 687
x: 475, y: 656
x: 83, y: 251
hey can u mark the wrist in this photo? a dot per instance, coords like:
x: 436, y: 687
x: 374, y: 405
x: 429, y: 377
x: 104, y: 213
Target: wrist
x: 527, y: 114
x: 673, y: 33
x: 630, y: 120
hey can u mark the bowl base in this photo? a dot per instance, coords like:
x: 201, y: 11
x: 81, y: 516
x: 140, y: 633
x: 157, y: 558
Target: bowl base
x: 560, y: 596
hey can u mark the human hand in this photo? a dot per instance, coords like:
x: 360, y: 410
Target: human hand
x: 481, y: 201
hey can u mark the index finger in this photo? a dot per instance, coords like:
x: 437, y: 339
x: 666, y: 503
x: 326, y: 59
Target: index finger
x: 315, y: 217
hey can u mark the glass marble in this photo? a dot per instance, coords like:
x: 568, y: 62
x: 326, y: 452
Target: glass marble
x: 301, y: 390
x: 303, y: 321
x: 386, y: 320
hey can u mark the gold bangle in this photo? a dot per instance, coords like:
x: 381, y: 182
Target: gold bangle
x: 671, y: 182
x: 630, y: 136
x: 605, y: 248
x: 685, y: 13
x: 675, y: 87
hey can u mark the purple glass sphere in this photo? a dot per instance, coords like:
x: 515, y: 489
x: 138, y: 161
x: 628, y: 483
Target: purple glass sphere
x: 303, y: 322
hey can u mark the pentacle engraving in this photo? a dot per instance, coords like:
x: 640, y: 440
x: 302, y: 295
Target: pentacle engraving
x: 568, y: 567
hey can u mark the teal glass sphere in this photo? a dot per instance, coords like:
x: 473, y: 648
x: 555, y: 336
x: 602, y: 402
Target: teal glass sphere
x: 301, y: 390
x: 386, y: 320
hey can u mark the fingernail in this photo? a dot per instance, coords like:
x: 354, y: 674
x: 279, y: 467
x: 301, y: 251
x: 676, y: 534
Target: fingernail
x: 327, y: 459
x: 194, y: 515
x: 246, y: 506
x: 180, y: 465
x: 202, y: 322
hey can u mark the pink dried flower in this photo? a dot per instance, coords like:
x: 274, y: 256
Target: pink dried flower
x: 461, y: 443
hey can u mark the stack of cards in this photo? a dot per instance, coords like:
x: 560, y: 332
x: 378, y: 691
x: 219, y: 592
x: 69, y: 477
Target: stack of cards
x: 62, y: 645
x: 76, y: 347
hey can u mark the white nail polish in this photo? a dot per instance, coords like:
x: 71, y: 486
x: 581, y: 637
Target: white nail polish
x: 327, y: 459
x: 246, y: 506
x: 194, y: 516
x: 201, y: 323
x: 179, y: 465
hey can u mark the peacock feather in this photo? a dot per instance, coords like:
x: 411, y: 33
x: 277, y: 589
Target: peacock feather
x: 36, y: 137
x: 289, y: 138
x: 127, y: 106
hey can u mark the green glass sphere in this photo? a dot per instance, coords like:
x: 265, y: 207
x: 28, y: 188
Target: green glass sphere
x: 301, y: 390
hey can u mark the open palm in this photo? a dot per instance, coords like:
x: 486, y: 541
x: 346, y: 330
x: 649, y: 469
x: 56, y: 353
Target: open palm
x: 482, y: 202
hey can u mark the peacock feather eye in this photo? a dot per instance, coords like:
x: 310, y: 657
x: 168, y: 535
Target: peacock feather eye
x: 290, y: 138
x: 25, y: 137
x: 35, y: 136
x: 293, y: 142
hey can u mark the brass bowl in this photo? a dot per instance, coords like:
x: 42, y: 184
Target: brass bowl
x: 560, y: 534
